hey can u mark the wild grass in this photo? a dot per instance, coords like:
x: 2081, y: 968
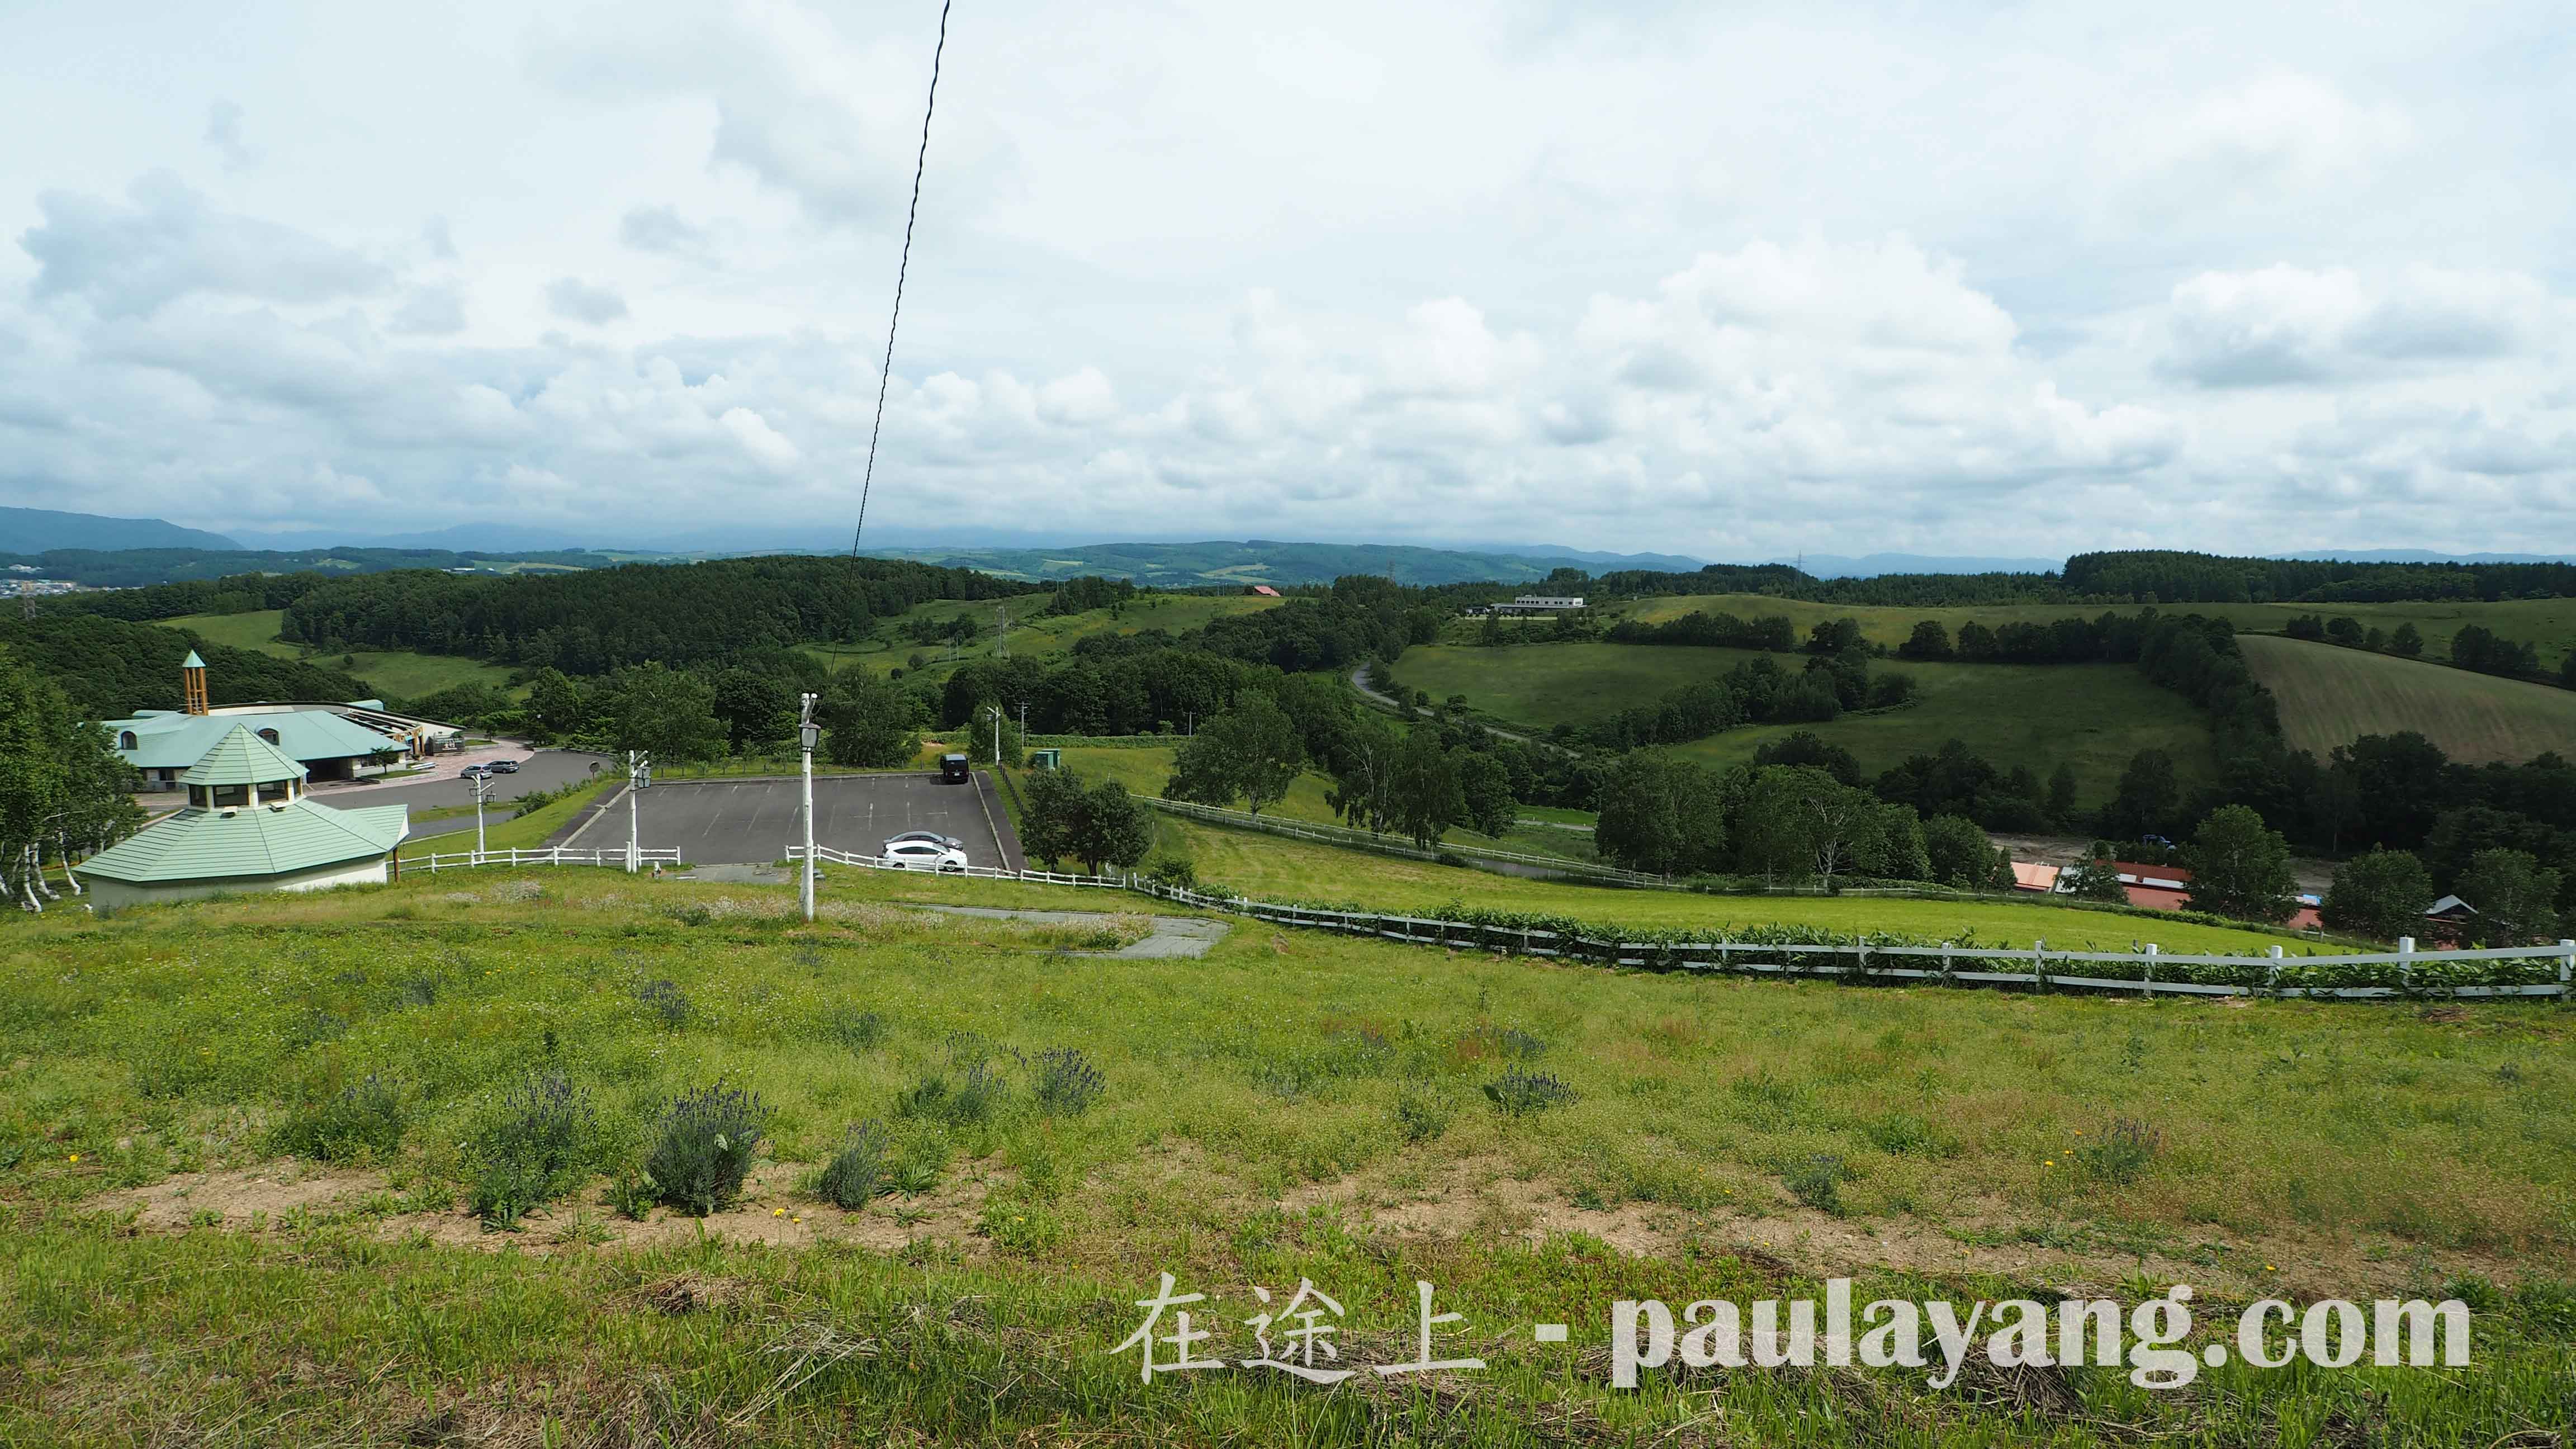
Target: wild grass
x: 2091, y: 717
x: 2341, y: 1145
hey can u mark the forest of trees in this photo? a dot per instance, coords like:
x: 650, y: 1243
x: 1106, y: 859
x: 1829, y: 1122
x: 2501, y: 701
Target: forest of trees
x: 596, y: 621
x: 113, y: 667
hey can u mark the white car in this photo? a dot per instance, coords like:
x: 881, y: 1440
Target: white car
x: 923, y: 852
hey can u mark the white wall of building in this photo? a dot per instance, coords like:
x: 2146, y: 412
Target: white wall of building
x: 112, y: 895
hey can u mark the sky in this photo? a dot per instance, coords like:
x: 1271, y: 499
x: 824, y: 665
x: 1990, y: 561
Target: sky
x: 1733, y: 281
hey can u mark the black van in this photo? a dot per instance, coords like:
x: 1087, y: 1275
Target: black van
x: 952, y: 769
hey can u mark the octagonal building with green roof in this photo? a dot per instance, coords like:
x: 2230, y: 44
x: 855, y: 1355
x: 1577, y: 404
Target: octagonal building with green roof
x: 247, y: 826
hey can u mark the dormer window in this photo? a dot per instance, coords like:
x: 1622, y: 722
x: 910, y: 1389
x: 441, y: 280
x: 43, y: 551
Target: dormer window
x: 125, y: 739
x: 269, y: 735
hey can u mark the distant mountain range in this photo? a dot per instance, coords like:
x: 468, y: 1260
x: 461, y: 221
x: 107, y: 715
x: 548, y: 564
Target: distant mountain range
x: 35, y: 530
x: 1255, y: 561
x: 1870, y: 566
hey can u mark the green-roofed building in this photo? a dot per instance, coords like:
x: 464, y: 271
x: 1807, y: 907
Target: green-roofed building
x: 247, y: 826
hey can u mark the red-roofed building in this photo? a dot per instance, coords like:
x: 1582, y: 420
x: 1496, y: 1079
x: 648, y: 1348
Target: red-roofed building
x: 1262, y: 591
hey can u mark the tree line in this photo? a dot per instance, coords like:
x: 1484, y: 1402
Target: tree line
x: 63, y: 791
x: 109, y: 668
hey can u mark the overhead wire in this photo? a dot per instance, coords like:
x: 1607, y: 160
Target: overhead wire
x: 885, y: 375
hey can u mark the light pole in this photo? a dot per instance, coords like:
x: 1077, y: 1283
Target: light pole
x: 996, y: 711
x: 806, y: 730
x: 482, y: 785
x: 639, y: 773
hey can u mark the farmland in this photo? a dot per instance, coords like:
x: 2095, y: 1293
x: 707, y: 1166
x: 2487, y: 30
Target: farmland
x: 1292, y: 1105
x: 2092, y: 717
x: 396, y: 674
x: 2331, y: 696
x: 1034, y: 635
x: 2551, y: 623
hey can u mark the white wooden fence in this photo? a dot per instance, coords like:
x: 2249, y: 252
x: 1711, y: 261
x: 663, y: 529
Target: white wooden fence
x: 2144, y: 972
x: 617, y: 857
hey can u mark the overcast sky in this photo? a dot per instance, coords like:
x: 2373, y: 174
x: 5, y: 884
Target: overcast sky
x: 1724, y: 280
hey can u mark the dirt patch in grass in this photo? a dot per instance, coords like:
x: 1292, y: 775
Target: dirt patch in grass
x: 1490, y: 1198
x: 237, y: 1196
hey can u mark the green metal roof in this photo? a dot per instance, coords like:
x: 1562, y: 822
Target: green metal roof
x: 250, y: 841
x: 242, y: 758
x: 176, y: 741
x: 192, y: 661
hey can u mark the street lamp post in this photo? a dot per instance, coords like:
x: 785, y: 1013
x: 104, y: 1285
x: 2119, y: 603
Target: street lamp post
x: 482, y: 787
x: 639, y: 772
x: 806, y: 731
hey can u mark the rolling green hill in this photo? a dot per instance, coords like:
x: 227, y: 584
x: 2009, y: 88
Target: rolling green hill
x: 2331, y: 696
x: 2090, y: 716
x: 2551, y: 623
x: 1033, y: 635
x: 393, y: 673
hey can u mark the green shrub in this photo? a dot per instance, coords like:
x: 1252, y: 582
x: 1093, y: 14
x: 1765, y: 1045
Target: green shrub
x: 1420, y: 1113
x: 1521, y: 1093
x: 704, y: 1149
x: 2123, y: 1152
x: 535, y: 1147
x: 361, y: 1120
x: 664, y: 1001
x: 977, y: 1097
x: 1817, y: 1182
x: 1066, y: 1082
x: 856, y: 1173
x: 860, y: 1031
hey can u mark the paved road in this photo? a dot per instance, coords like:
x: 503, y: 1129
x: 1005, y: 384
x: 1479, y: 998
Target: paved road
x: 543, y: 770
x: 1359, y: 681
x: 746, y: 821
x: 1173, y: 935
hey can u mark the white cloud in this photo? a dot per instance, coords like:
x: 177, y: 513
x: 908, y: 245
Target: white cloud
x: 166, y: 242
x: 1717, y: 281
x: 2285, y: 324
x: 582, y: 302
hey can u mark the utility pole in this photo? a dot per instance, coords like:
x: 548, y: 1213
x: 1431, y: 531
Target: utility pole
x: 806, y: 730
x: 1002, y: 631
x: 996, y: 711
x: 639, y: 773
x: 482, y: 787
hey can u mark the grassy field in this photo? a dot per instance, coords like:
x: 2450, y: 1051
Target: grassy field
x: 2549, y: 622
x: 1292, y: 1105
x: 2091, y: 716
x: 2331, y: 696
x: 1145, y: 770
x: 395, y: 674
x: 1268, y: 867
x: 1033, y: 636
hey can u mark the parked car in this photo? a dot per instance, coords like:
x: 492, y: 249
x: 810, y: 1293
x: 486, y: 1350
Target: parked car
x: 503, y: 767
x: 474, y: 772
x: 951, y: 841
x: 931, y: 854
x: 952, y: 769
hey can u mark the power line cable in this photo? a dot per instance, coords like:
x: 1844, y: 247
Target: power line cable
x: 885, y: 375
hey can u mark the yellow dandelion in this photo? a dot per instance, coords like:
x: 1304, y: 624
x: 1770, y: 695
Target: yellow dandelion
x: 75, y: 1157
x: 778, y: 1212
x: 2052, y: 1162
x: 796, y: 1220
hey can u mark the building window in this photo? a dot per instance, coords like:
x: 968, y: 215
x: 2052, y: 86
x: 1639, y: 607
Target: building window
x: 125, y: 739
x: 272, y: 790
x: 269, y: 735
x: 231, y: 795
x: 200, y: 796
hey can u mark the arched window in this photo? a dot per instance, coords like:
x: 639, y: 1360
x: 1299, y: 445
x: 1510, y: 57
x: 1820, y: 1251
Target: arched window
x: 269, y: 735
x: 125, y: 739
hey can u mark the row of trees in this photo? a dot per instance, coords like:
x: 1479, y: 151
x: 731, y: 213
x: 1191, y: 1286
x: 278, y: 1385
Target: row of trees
x: 63, y: 791
x: 1781, y: 821
x: 111, y: 667
x: 2473, y: 647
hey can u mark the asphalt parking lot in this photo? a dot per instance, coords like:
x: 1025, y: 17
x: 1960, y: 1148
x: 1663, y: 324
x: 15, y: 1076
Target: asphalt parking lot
x: 542, y: 770
x: 732, y: 822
